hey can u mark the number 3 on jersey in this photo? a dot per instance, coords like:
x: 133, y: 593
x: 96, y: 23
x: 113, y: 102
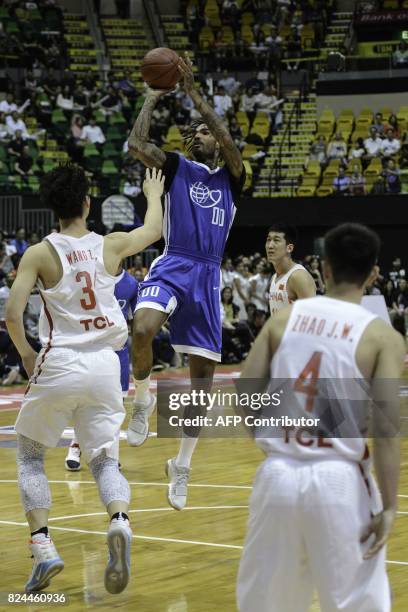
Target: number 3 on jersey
x: 89, y: 302
x: 307, y: 381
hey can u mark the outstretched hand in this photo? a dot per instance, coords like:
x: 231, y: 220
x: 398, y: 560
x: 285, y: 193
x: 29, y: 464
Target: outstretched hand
x: 153, y: 184
x: 185, y: 67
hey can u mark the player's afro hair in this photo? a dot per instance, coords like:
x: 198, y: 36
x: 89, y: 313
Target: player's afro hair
x: 64, y: 190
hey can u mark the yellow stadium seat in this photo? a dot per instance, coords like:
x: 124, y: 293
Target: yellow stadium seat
x: 247, y: 18
x: 261, y: 130
x: 248, y: 174
x: 324, y: 191
x: 249, y: 150
x: 313, y: 169
x: 243, y: 122
x: 305, y: 192
x: 310, y: 181
x: 173, y: 133
x: 391, y: 4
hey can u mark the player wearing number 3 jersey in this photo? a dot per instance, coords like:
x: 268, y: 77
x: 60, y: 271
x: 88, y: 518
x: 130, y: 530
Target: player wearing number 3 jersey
x: 76, y: 377
x: 316, y: 518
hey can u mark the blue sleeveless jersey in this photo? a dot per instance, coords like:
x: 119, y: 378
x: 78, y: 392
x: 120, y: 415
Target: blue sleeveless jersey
x: 199, y: 210
x: 126, y: 291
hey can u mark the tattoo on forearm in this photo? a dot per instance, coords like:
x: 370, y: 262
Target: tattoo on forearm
x: 230, y: 151
x: 147, y: 152
x: 140, y: 130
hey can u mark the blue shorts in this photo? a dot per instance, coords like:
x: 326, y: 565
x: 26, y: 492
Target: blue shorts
x: 123, y: 355
x: 187, y: 288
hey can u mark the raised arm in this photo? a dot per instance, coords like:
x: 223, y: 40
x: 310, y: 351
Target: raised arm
x: 139, y: 145
x: 119, y: 245
x: 229, y: 149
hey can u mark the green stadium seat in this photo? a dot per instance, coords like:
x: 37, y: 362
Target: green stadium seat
x: 109, y: 168
x: 117, y: 119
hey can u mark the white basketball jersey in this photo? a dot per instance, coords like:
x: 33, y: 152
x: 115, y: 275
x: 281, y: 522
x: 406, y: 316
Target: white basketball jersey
x: 278, y: 293
x: 320, y: 342
x: 80, y: 311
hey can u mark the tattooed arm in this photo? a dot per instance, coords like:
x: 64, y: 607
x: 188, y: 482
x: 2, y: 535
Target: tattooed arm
x: 139, y: 146
x: 229, y: 150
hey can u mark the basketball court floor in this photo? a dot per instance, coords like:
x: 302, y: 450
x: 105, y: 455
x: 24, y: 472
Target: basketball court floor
x: 181, y: 561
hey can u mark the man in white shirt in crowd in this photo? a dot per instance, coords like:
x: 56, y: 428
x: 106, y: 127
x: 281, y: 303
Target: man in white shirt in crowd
x: 229, y: 83
x: 390, y: 145
x: 8, y: 105
x: 92, y: 133
x: 373, y: 143
x: 222, y: 102
x: 248, y: 101
x: 14, y: 123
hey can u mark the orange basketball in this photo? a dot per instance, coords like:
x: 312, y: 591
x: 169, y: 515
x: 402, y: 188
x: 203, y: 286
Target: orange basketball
x: 159, y: 68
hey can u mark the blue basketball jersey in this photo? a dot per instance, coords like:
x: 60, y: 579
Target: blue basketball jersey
x: 199, y: 210
x: 126, y: 290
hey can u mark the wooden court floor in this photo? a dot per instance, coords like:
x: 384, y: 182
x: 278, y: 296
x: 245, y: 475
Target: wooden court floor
x: 181, y: 561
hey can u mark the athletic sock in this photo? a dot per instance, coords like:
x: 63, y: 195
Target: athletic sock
x: 120, y: 515
x: 142, y: 395
x: 43, y: 530
x: 185, y: 454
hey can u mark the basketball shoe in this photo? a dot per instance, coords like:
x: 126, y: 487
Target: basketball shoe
x: 117, y: 572
x: 73, y: 458
x: 47, y: 563
x: 138, y: 427
x: 177, y: 488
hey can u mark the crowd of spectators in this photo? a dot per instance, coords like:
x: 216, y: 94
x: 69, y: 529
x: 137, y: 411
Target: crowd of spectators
x: 385, y: 142
x: 260, y: 32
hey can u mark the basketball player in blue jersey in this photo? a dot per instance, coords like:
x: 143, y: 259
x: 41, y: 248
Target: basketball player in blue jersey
x: 183, y: 284
x: 126, y: 290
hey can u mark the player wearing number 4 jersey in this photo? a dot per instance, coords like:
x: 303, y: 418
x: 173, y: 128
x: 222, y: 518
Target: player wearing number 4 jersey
x: 76, y: 376
x: 184, y: 283
x: 316, y: 517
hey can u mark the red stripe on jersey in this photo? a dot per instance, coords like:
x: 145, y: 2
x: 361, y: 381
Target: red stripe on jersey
x: 51, y: 324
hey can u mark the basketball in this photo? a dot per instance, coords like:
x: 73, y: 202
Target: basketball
x: 159, y: 68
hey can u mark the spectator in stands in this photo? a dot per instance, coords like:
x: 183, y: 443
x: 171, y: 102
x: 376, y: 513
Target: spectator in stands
x: 293, y: 49
x: 227, y: 272
x: 403, y: 161
x: 392, y: 124
x: 378, y: 123
x: 241, y: 286
x: 179, y: 114
x: 127, y: 85
x: 4, y: 133
x: 30, y: 83
x: 229, y: 83
x: 236, y: 131
x: 390, y: 145
x: 8, y: 106
x: 6, y: 265
x: 161, y: 115
x: 259, y: 284
x: 132, y: 185
x: 318, y: 150
x: 258, y: 48
x: 109, y: 103
x: 358, y: 150
x: 219, y: 49
x: 65, y: 100
x: 274, y: 43
x: 51, y: 85
x: 397, y: 271
x: 337, y: 148
x: 341, y: 183
x: 92, y: 133
x: 222, y: 101
x: 33, y: 238
x: 390, y: 294
x: 391, y: 177
x: 14, y: 123
x: 315, y: 271
x: 24, y: 164
x: 19, y: 242
x: 357, y: 182
x: 81, y: 98
x: 16, y: 145
x: 400, y: 56
x: 402, y: 299
x: 373, y: 144
x: 248, y: 101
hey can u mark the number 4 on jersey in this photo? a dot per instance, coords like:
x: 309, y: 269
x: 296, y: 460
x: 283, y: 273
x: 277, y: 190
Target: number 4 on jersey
x: 307, y: 381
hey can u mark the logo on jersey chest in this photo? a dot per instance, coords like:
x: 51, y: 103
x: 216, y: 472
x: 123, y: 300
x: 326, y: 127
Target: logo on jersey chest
x: 203, y: 196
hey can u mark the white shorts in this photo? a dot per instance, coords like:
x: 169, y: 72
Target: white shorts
x: 305, y: 523
x: 78, y: 388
